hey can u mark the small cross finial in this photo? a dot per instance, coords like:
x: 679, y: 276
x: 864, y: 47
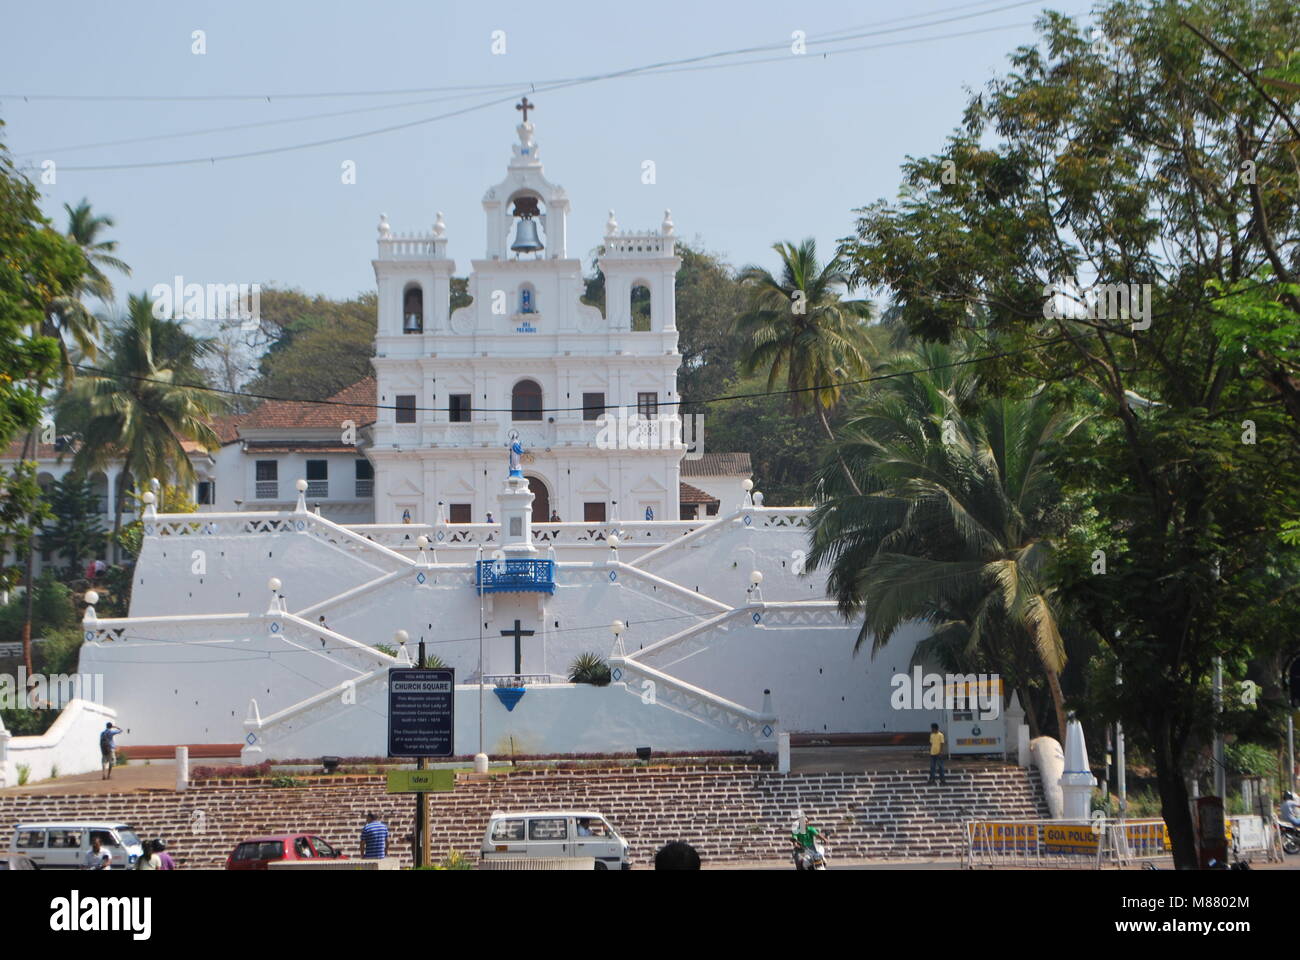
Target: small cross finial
x: 525, y: 106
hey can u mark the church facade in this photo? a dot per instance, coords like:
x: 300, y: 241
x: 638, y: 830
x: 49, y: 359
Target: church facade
x: 591, y: 396
x: 273, y: 626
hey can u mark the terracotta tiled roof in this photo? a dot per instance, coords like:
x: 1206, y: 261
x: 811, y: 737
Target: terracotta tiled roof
x: 718, y: 465
x: 691, y: 494
x: 44, y: 451
x: 227, y: 427
x: 293, y: 414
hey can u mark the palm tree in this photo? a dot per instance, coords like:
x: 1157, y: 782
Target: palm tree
x: 798, y: 328
x: 66, y: 318
x: 139, y: 411
x: 950, y: 520
x: 85, y: 228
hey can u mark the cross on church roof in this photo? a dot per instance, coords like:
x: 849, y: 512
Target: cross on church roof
x: 525, y: 107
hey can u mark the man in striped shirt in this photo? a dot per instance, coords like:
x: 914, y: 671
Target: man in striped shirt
x: 374, y: 838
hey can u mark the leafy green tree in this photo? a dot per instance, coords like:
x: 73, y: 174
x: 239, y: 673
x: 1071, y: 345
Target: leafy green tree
x: 1143, y: 159
x: 320, y: 345
x: 776, y: 438
x: 75, y: 533
x: 40, y: 274
x: 709, y: 299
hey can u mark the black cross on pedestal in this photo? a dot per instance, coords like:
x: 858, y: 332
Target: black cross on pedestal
x: 525, y: 107
x: 517, y: 634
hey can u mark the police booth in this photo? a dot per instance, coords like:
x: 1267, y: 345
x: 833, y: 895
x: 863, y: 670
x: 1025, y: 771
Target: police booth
x: 974, y: 711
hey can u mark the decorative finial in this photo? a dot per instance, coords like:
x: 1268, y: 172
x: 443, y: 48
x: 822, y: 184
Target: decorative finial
x: 525, y: 106
x: 668, y: 226
x: 611, y: 225
x: 439, y: 226
x: 385, y: 231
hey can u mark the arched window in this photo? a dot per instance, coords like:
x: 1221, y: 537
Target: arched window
x: 640, y: 308
x: 413, y: 309
x: 526, y: 401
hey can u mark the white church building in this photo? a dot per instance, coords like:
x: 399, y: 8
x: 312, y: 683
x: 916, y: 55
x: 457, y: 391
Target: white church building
x: 274, y: 626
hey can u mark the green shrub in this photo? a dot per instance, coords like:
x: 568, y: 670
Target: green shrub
x: 61, y: 650
x: 285, y: 782
x: 24, y: 774
x: 52, y: 610
x: 589, y: 668
x: 1249, y: 759
x: 455, y: 860
x: 28, y: 723
x: 385, y: 649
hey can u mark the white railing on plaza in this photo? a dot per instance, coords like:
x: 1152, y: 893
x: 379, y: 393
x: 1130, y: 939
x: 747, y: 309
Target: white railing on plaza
x: 693, y: 701
x: 283, y: 521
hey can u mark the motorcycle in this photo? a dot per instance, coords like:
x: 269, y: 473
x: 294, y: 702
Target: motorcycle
x: 1290, y: 836
x: 809, y: 857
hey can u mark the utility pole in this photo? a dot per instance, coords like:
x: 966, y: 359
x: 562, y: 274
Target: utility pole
x: 422, y: 802
x: 1220, y: 767
x: 1290, y: 748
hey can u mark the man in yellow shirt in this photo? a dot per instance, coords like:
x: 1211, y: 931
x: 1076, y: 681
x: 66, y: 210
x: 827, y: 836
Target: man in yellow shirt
x: 936, y: 754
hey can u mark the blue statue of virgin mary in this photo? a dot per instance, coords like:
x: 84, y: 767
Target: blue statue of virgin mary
x: 516, y: 458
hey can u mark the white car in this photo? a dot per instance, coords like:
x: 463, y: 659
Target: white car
x: 63, y: 845
x: 555, y: 833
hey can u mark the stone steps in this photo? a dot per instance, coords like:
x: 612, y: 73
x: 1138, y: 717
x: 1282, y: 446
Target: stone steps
x: 729, y: 814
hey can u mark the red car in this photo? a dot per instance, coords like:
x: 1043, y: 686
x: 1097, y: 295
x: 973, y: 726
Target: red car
x: 256, y: 854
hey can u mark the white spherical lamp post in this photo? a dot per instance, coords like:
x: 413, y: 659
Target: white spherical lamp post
x: 301, y: 485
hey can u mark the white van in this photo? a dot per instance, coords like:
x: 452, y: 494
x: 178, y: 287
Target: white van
x: 63, y: 845
x: 555, y: 833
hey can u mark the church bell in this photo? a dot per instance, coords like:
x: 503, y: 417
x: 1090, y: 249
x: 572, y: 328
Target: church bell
x: 526, y: 237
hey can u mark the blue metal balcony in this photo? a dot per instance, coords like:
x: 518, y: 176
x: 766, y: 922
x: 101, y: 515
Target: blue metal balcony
x: 515, y: 576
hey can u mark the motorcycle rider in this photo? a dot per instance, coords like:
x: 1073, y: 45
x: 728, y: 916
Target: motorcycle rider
x: 804, y: 834
x: 1290, y: 809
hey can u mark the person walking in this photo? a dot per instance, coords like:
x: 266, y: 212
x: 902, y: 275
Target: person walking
x: 374, y: 838
x: 108, y: 749
x: 936, y: 754
x: 165, y: 861
x: 149, y: 859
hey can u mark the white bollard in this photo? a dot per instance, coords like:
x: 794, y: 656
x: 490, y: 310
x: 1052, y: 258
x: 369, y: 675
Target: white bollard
x: 182, y: 768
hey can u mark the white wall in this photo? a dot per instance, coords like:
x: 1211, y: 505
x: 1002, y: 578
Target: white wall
x: 183, y: 678
x: 237, y: 566
x: 71, y: 745
x: 558, y: 718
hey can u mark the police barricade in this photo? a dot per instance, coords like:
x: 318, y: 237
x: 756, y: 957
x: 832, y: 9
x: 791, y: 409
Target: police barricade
x: 1063, y: 844
x: 1031, y: 843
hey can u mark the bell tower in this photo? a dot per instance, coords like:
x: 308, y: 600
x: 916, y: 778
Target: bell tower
x: 527, y: 215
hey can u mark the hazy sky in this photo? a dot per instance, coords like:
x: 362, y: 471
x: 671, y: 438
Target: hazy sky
x: 744, y: 155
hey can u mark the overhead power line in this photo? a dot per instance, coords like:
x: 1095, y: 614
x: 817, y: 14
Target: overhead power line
x: 663, y: 67
x: 833, y: 36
